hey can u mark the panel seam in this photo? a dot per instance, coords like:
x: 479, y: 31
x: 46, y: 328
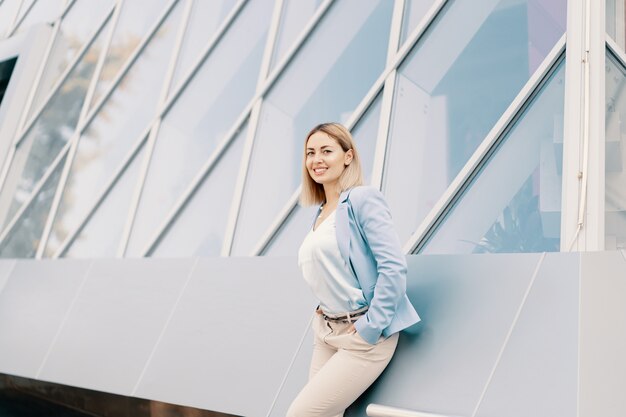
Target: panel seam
x: 508, y: 335
x: 165, y: 327
x: 293, y: 361
x: 65, y: 318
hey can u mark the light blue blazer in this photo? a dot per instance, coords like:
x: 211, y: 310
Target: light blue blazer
x: 369, y: 244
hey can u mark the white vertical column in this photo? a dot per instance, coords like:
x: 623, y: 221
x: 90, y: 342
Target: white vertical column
x: 582, y: 221
x: 382, y: 136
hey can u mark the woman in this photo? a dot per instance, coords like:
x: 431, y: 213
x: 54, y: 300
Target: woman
x: 353, y: 263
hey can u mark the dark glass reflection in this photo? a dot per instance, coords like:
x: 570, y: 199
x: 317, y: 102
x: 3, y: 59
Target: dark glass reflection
x: 6, y: 69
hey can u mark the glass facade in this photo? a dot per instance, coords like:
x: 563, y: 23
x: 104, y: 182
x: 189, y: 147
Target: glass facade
x: 177, y: 130
x: 615, y: 198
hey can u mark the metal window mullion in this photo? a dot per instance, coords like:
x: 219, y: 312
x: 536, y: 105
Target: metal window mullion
x: 63, y: 78
x: 211, y: 45
x: 129, y: 62
x: 33, y: 90
x: 616, y: 50
x: 582, y: 206
x: 270, y: 44
x: 167, y: 82
x: 16, y: 217
x: 22, y: 135
x: 251, y: 132
x: 205, y: 170
x: 620, y: 23
x: 75, y: 140
x: 384, y: 122
x: 21, y: 19
x: 297, y: 45
x: 384, y: 127
x: 275, y: 226
x: 130, y: 156
x: 66, y: 8
x: 486, y: 148
x: 15, y: 20
x: 253, y: 125
x: 244, y: 167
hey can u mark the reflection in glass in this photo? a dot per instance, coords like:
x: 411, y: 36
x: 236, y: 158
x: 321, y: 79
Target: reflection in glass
x: 325, y: 81
x: 453, y: 87
x: 101, y: 236
x: 77, y: 28
x: 292, y: 231
x: 514, y: 202
x: 615, y: 162
x: 200, y: 226
x: 49, y: 134
x: 616, y: 21
x: 206, y: 17
x: 294, y: 17
x: 44, y: 11
x: 202, y: 117
x: 414, y: 11
x: 134, y: 22
x: 23, y: 240
x: 116, y: 128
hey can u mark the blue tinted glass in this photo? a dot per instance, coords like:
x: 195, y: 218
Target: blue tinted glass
x: 514, y: 202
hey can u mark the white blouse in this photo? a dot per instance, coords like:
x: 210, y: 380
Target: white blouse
x: 327, y: 273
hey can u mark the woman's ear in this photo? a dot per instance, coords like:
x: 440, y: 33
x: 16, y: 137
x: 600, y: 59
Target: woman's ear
x: 348, y: 157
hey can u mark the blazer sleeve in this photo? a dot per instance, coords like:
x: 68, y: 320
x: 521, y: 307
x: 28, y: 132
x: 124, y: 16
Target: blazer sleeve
x: 373, y: 216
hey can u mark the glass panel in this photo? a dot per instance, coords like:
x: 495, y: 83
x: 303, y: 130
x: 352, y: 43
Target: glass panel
x: 134, y: 22
x: 117, y: 127
x: 514, y: 202
x: 101, y: 236
x: 201, y: 117
x: 615, y: 162
x: 292, y: 231
x: 616, y: 21
x: 199, y: 229
x: 294, y: 17
x: 453, y: 87
x: 23, y: 240
x: 414, y: 11
x: 44, y: 11
x: 77, y: 28
x: 48, y: 135
x: 8, y: 9
x: 325, y: 81
x: 206, y: 17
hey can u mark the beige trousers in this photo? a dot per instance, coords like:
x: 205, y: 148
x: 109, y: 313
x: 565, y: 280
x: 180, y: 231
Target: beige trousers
x: 342, y: 368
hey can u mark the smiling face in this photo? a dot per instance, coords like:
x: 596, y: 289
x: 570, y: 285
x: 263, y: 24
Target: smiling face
x: 325, y: 159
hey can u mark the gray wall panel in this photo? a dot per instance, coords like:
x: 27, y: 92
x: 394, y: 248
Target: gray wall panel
x: 296, y: 378
x: 235, y: 339
x: 115, y: 323
x: 233, y: 336
x: 467, y: 304
x: 33, y: 305
x: 537, y: 373
x: 603, y: 335
x: 6, y: 266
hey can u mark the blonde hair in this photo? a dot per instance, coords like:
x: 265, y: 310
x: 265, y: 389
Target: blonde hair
x: 312, y: 192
